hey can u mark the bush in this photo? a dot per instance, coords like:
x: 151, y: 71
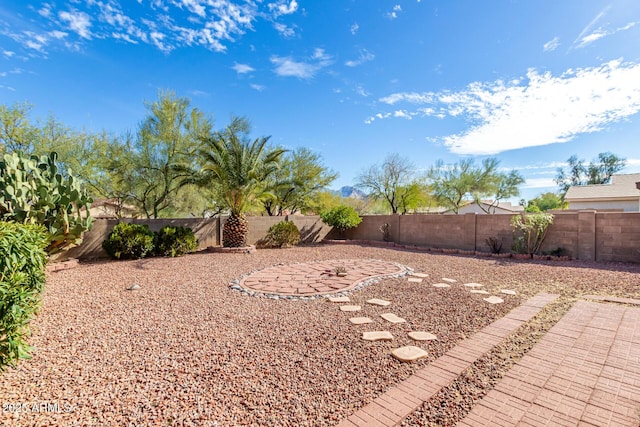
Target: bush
x: 532, y: 229
x: 129, y: 241
x: 22, y: 278
x: 341, y: 217
x: 34, y: 191
x: 175, y: 241
x: 282, y: 234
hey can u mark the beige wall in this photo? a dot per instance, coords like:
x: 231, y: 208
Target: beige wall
x: 623, y: 205
x: 584, y: 235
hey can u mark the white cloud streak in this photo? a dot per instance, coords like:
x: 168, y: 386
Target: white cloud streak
x: 242, y: 68
x: 539, y: 110
x: 289, y: 67
x: 78, y: 22
x: 551, y: 45
x: 364, y: 56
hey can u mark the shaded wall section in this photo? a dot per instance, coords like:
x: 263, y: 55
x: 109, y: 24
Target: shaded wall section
x: 585, y: 235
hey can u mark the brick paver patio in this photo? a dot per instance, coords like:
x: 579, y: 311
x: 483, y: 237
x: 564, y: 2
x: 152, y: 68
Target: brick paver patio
x: 316, y: 278
x: 585, y: 371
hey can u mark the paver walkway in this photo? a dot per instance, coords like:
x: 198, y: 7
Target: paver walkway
x: 393, y: 406
x: 585, y: 371
x: 316, y: 278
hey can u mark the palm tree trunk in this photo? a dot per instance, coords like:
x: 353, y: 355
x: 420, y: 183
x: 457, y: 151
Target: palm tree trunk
x: 235, y: 231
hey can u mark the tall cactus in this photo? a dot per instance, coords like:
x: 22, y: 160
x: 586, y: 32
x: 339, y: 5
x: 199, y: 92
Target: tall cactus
x: 33, y: 191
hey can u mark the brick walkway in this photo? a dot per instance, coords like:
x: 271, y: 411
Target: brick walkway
x: 316, y: 278
x: 392, y: 407
x: 585, y: 371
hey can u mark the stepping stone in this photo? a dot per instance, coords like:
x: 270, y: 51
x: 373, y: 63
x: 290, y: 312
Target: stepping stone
x: 422, y: 336
x: 409, y: 353
x: 508, y: 292
x: 444, y: 279
x: 423, y: 275
x: 494, y: 300
x: 339, y: 299
x: 473, y: 285
x: 360, y: 320
x: 133, y: 287
x: 350, y: 308
x: 414, y: 280
x: 441, y: 285
x: 390, y: 317
x: 377, y: 336
x: 479, y: 291
x: 380, y: 302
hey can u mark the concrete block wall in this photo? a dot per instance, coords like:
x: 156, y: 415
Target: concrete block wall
x: 617, y: 237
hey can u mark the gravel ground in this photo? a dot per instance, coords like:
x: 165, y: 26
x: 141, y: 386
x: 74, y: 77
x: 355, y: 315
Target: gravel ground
x: 186, y: 350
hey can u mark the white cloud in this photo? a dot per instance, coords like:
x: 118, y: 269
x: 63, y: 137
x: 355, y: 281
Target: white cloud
x: 79, y: 22
x: 288, y: 67
x: 283, y: 7
x: 539, y: 110
x: 284, y: 30
x: 257, y: 87
x: 539, y: 183
x: 394, y: 12
x: 242, y: 68
x: 551, y: 45
x: 8, y: 53
x: 354, y: 28
x: 601, y: 33
x: 362, y: 91
x: 365, y: 56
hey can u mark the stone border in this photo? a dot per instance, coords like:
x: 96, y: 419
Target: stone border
x: 63, y: 265
x: 236, y: 283
x: 241, y: 250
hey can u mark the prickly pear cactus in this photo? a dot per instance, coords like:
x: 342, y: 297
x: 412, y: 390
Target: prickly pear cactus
x: 33, y: 191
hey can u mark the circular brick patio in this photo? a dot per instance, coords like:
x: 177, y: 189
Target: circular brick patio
x: 319, y: 278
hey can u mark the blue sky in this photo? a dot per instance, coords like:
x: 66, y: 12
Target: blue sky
x: 530, y: 82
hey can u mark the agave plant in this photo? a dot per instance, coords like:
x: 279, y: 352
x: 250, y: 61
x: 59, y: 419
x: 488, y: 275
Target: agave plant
x: 238, y: 168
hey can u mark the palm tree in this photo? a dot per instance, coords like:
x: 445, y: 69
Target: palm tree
x: 238, y: 168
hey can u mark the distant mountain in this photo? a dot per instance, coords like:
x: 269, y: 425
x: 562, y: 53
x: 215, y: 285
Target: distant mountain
x: 352, y: 192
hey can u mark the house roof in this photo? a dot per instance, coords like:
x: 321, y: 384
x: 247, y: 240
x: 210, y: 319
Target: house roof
x: 622, y: 186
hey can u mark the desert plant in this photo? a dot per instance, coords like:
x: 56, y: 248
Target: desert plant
x: 34, y: 191
x: 22, y: 278
x: 341, y: 217
x: 129, y: 241
x: 341, y: 270
x: 494, y: 244
x: 386, y: 232
x: 282, y: 234
x: 174, y: 241
x: 532, y: 229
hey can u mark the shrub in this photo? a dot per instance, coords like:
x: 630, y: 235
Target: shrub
x: 34, y: 191
x: 341, y: 217
x: 22, y: 278
x: 494, y: 244
x: 175, y: 241
x: 282, y: 234
x: 532, y: 229
x: 129, y: 241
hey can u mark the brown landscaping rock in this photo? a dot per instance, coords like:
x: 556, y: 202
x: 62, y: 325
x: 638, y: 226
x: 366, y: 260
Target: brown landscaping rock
x: 377, y: 336
x: 479, y: 291
x: 409, y: 353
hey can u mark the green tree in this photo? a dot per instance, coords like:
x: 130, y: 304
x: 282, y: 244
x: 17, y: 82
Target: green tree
x: 454, y: 186
x: 598, y: 171
x: 164, y: 149
x: 384, y: 182
x: 296, y: 184
x: 238, y: 169
x: 544, y: 202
